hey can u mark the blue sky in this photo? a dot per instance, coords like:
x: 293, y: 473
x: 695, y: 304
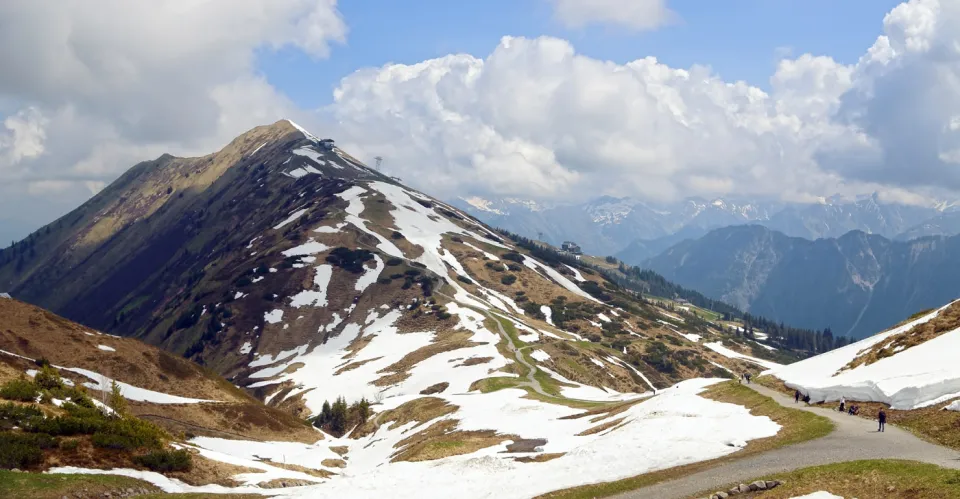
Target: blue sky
x: 100, y: 88
x: 739, y: 39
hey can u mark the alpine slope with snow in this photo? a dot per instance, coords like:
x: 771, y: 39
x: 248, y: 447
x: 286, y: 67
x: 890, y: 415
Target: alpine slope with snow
x: 414, y: 336
x: 910, y: 366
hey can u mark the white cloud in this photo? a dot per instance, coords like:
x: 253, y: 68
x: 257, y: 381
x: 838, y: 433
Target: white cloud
x: 632, y: 14
x: 23, y: 138
x: 91, y: 87
x: 536, y: 118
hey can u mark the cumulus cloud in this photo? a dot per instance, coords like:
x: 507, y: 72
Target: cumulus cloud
x: 535, y: 118
x: 632, y: 14
x: 94, y: 86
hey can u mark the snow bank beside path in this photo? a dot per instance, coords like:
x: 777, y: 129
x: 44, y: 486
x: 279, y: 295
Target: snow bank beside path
x: 730, y: 354
x: 917, y: 377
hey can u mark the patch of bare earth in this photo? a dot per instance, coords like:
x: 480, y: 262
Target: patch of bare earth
x: 437, y: 388
x: 333, y: 463
x: 539, y: 458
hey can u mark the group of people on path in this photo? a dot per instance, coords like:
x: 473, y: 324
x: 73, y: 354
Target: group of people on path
x: 852, y: 410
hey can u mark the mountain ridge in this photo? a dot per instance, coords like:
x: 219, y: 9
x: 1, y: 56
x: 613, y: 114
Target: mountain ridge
x: 853, y: 284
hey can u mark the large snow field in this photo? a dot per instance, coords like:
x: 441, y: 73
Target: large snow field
x: 673, y: 429
x: 917, y: 377
x: 730, y: 354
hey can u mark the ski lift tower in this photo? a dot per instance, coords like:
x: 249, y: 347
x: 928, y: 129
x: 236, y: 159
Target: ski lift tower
x: 379, y: 160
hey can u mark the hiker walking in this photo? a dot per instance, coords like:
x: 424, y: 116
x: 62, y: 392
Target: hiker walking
x: 843, y: 403
x: 882, y: 418
x: 748, y: 378
x: 796, y: 397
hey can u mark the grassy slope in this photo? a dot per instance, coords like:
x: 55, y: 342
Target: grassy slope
x: 44, y: 486
x: 798, y: 426
x: 867, y: 480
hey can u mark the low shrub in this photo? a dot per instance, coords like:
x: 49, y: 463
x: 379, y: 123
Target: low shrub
x: 18, y: 415
x: 348, y: 259
x: 22, y: 450
x: 128, y: 434
x: 393, y: 262
x: 464, y: 279
x: 384, y: 280
x: 396, y: 235
x: 515, y: 267
x: 22, y: 389
x: 508, y: 279
x: 166, y: 460
x: 513, y: 256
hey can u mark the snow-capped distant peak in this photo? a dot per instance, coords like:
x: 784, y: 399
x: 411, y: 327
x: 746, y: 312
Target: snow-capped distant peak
x: 609, y: 210
x: 482, y: 205
x: 303, y: 131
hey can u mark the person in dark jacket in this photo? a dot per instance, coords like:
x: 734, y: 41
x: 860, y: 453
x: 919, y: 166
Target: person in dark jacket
x: 796, y: 396
x: 882, y: 418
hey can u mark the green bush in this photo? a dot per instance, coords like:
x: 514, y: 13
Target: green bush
x: 128, y: 434
x: 508, y: 279
x: 18, y: 415
x: 514, y: 267
x: 513, y: 256
x: 166, y: 460
x: 48, y: 378
x: 396, y: 235
x: 384, y: 280
x: 19, y: 450
x: 463, y: 279
x: 348, y: 259
x: 22, y: 389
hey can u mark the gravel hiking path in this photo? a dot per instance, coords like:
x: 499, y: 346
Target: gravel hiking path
x: 853, y: 439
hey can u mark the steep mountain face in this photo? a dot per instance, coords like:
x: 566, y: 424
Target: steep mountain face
x: 835, y: 218
x: 856, y: 284
x: 944, y: 224
x: 635, y: 231
x: 303, y: 276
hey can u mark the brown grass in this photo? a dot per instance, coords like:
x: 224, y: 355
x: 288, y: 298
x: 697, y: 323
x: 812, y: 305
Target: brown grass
x: 442, y: 440
x: 36, y: 333
x: 419, y: 410
x: 251, y: 421
x: 334, y: 463
x: 946, y: 321
x: 340, y: 449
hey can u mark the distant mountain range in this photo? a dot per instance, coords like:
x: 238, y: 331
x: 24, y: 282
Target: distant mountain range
x: 634, y: 231
x: 856, y: 284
